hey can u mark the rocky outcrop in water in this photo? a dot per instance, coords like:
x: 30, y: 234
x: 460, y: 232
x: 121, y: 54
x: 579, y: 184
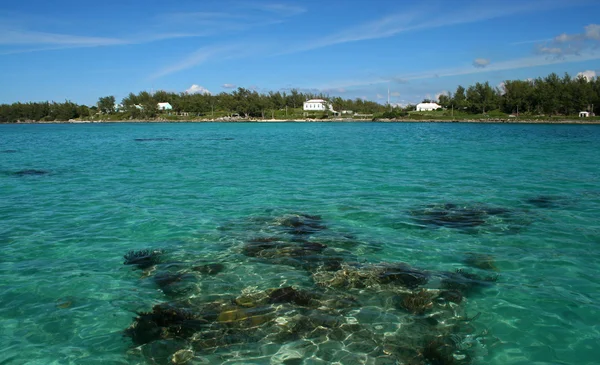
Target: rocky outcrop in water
x: 351, y: 313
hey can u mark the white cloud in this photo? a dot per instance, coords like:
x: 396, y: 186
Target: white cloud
x: 592, y: 31
x: 395, y: 94
x: 550, y: 50
x: 229, y: 86
x: 197, y: 89
x: 588, y: 75
x: 481, y: 62
x: 379, y: 96
x: 564, y: 38
x: 572, y: 44
x: 437, y: 96
x: 502, y: 87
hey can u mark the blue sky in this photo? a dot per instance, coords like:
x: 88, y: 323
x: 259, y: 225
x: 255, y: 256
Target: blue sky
x: 78, y: 50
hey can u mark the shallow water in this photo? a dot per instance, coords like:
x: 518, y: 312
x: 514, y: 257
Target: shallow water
x: 523, y: 199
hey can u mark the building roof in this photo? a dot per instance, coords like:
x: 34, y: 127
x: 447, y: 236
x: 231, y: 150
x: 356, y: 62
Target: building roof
x: 429, y: 104
x: 315, y: 101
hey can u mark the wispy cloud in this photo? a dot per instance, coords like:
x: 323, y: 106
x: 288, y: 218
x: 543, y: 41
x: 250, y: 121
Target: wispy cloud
x: 200, y: 56
x: 21, y: 37
x: 481, y: 62
x: 572, y: 44
x: 281, y: 9
x: 425, y: 16
x: 229, y: 86
x: 20, y: 34
x: 518, y: 63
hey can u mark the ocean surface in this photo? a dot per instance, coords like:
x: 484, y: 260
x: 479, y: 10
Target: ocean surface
x: 299, y: 243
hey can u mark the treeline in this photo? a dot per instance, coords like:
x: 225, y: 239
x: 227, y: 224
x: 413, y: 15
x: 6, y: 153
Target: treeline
x: 243, y: 102
x: 45, y: 111
x: 551, y: 95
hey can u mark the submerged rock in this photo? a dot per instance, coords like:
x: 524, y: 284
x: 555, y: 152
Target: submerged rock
x: 291, y: 295
x: 404, y: 275
x: 471, y: 218
x: 419, y: 302
x: 175, y: 284
x: 372, y: 276
x: 143, y: 259
x: 9, y: 151
x: 153, y: 139
x: 480, y: 261
x: 301, y: 224
x: 209, y: 269
x: 31, y: 172
x: 164, y: 322
x: 546, y: 201
x: 466, y: 283
x: 456, y: 216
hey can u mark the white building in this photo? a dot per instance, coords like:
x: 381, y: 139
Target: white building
x: 164, y: 106
x: 316, y: 105
x: 427, y: 107
x: 584, y: 114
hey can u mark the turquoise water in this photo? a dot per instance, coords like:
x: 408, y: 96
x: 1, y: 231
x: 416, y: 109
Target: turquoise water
x: 517, y: 207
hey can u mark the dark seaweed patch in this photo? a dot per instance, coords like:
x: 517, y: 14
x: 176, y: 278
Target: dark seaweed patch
x: 469, y: 218
x: 31, y: 172
x: 403, y: 275
x: 153, y: 139
x: 9, y: 151
x: 419, y: 302
x: 209, y: 269
x: 165, y: 321
x: 480, y: 261
x: 291, y: 295
x: 466, y: 282
x: 143, y: 259
x: 546, y: 201
x: 301, y: 224
x: 456, y: 216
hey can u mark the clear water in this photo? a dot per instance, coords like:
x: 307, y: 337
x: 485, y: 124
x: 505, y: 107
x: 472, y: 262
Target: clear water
x: 201, y: 192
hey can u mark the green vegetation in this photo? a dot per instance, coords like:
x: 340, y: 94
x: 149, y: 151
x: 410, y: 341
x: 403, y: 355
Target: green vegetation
x: 549, y: 98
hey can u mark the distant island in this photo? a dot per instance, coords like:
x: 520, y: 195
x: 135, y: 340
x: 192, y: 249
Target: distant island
x: 548, y: 99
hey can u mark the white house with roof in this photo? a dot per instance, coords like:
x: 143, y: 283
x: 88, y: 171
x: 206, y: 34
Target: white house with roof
x: 165, y: 106
x: 427, y: 107
x: 315, y: 105
x: 318, y: 105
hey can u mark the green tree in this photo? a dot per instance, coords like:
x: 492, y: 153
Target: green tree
x: 106, y: 105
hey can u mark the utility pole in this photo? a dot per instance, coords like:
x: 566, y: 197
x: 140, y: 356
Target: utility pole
x: 390, y: 105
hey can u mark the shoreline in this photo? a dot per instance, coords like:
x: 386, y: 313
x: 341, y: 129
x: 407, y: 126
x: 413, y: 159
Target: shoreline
x: 484, y: 121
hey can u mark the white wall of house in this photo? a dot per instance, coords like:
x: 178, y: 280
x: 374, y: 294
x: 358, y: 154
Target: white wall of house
x: 315, y: 105
x: 165, y: 106
x: 427, y: 107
